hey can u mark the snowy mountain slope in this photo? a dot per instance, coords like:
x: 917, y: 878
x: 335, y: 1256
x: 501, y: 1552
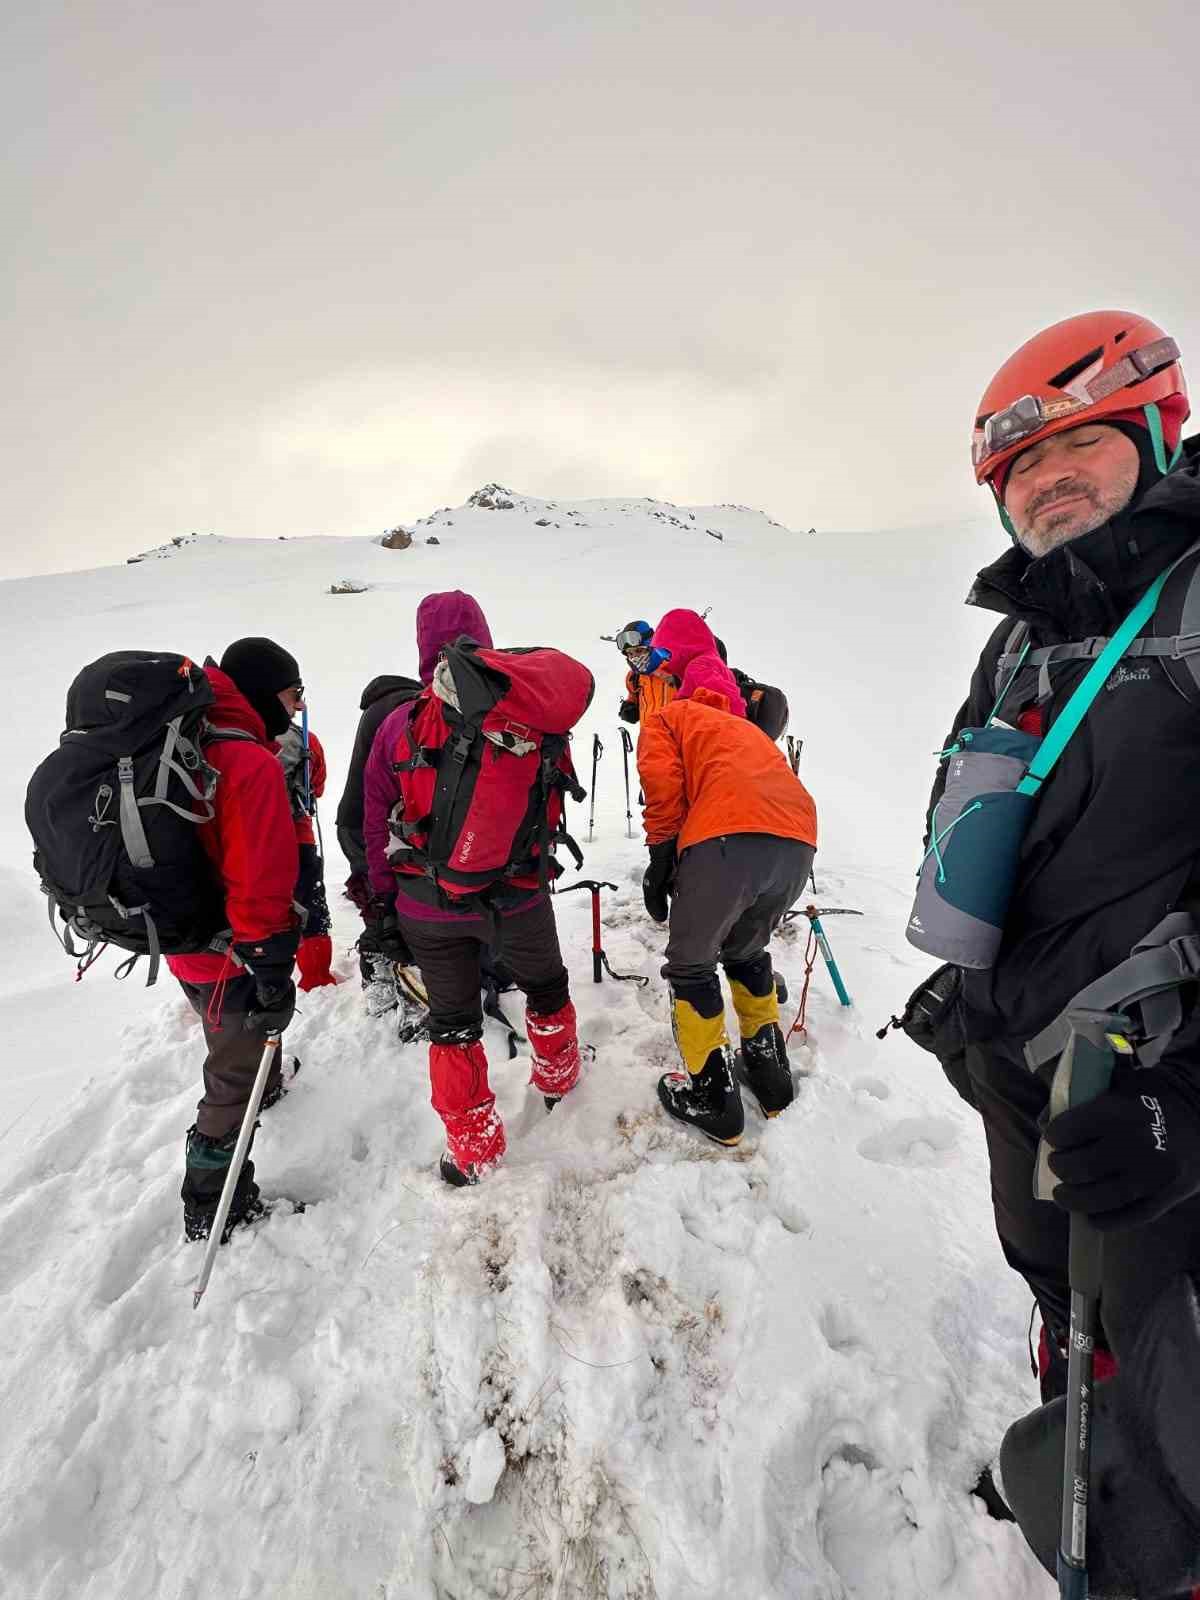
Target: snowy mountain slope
x: 631, y: 1364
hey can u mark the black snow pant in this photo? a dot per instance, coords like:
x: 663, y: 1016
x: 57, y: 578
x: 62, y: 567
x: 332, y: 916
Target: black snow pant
x: 451, y: 955
x: 729, y: 896
x: 1146, y: 1466
x: 234, y: 1053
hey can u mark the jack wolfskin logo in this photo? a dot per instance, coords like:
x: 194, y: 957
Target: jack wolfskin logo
x: 1138, y: 674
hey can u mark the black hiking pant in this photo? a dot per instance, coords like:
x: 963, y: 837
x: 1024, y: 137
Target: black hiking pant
x: 450, y: 956
x: 730, y: 895
x: 234, y: 1053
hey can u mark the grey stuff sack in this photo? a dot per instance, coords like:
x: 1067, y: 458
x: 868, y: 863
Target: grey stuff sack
x: 976, y: 830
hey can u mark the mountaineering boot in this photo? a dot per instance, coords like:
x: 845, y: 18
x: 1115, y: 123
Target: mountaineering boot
x: 707, y: 1100
x: 763, y: 1067
x: 462, y: 1097
x: 457, y: 1177
x: 763, y: 1062
x: 554, y: 1044
x: 206, y: 1164
x: 706, y: 1095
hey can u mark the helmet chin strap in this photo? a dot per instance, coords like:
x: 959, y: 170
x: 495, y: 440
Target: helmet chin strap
x: 1158, y: 444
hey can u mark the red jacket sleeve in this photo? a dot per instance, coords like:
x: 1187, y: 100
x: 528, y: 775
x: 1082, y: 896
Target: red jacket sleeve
x: 319, y: 770
x: 660, y: 768
x: 255, y: 843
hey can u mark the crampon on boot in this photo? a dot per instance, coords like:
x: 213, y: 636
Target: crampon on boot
x: 762, y: 1065
x: 707, y: 1100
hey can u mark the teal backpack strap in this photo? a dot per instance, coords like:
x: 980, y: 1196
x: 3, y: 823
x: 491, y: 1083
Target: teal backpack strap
x: 1055, y: 742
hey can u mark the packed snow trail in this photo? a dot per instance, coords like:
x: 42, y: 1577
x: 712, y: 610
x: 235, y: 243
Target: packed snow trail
x: 630, y: 1363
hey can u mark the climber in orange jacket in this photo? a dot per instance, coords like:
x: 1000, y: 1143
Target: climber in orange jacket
x: 732, y: 834
x: 647, y: 689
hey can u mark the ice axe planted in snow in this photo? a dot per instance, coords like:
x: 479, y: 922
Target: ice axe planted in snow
x: 818, y: 939
x: 600, y: 962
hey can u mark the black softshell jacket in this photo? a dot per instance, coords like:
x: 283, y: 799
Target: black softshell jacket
x: 1114, y: 843
x: 381, y: 697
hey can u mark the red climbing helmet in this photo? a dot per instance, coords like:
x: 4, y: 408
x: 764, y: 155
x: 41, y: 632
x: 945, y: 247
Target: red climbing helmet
x: 1080, y: 370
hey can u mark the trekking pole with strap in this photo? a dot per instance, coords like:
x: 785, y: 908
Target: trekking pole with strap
x: 1097, y: 1038
x: 236, y: 1164
x: 626, y: 752
x: 600, y: 962
x: 597, y: 752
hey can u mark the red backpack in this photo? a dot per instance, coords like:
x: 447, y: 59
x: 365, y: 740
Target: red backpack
x: 483, y: 762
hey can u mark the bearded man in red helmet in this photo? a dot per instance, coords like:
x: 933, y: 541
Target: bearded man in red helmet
x: 1079, y: 438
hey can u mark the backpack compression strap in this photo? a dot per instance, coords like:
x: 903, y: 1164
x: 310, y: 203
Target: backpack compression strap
x: 1166, y: 959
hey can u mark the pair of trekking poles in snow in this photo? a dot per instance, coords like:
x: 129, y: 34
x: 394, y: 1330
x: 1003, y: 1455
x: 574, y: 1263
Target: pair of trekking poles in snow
x: 597, y: 752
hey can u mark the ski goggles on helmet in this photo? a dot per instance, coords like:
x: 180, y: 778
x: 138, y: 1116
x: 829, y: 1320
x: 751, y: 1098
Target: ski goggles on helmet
x: 632, y: 639
x: 1030, y: 414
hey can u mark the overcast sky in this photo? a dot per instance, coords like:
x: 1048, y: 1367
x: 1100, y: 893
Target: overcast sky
x: 288, y: 267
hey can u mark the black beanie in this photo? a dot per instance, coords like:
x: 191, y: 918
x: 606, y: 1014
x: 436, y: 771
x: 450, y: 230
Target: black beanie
x: 260, y: 668
x: 1148, y: 469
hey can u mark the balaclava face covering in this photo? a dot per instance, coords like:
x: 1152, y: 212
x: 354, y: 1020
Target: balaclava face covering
x: 261, y: 668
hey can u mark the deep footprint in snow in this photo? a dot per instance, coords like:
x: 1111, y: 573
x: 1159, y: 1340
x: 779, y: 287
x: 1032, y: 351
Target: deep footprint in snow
x: 862, y: 1518
x: 875, y: 1087
x: 912, y: 1142
x: 841, y: 1329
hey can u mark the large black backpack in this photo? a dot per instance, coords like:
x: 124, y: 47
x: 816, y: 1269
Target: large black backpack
x: 766, y: 706
x: 115, y: 812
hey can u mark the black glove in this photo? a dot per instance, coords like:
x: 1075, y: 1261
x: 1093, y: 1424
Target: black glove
x: 270, y: 962
x: 628, y: 711
x: 1128, y: 1155
x: 658, y: 880
x: 381, y: 930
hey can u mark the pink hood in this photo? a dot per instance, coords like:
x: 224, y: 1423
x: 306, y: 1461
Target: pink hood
x: 693, y: 659
x: 442, y: 618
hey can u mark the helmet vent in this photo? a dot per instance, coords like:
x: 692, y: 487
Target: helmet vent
x: 1118, y: 337
x: 1060, y: 380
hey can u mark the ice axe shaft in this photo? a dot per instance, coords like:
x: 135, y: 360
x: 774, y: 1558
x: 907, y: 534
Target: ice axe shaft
x: 238, y: 1161
x: 600, y: 962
